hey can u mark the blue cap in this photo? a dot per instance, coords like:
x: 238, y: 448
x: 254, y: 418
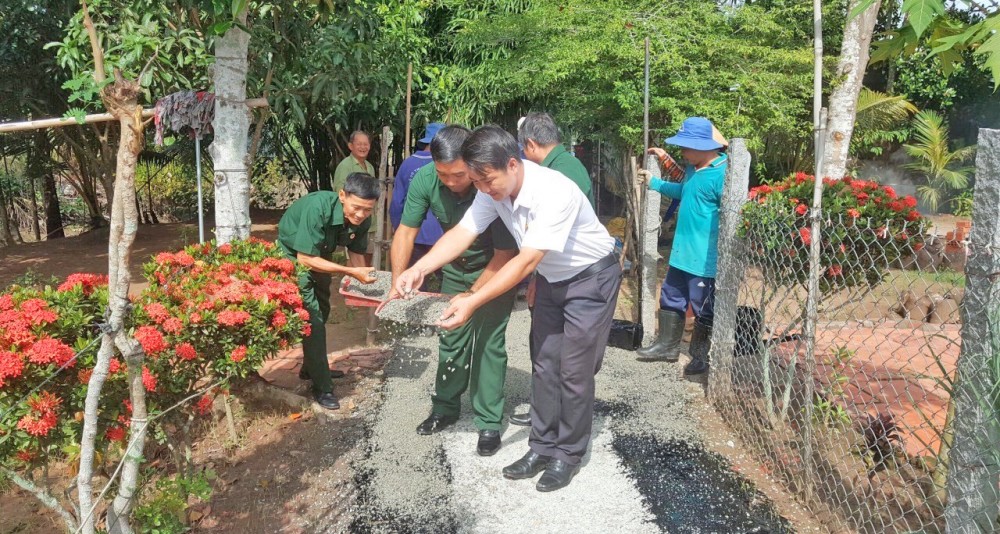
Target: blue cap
x: 430, y: 132
x: 696, y: 134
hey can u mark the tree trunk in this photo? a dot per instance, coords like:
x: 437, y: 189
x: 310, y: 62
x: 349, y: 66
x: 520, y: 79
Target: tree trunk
x: 121, y: 99
x: 231, y: 126
x: 35, y: 169
x: 53, y: 216
x: 6, y: 238
x: 843, y: 104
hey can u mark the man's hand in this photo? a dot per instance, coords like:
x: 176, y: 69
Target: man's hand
x: 409, y: 281
x: 658, y: 152
x: 361, y: 274
x: 643, y: 177
x: 530, y: 294
x: 459, y: 310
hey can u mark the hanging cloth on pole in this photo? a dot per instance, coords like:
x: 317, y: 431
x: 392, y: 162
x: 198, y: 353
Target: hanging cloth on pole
x: 187, y: 112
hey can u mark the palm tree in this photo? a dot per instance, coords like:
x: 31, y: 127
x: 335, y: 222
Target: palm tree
x: 940, y: 165
x: 881, y: 111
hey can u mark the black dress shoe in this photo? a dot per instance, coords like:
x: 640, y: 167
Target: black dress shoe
x: 489, y: 442
x: 528, y: 466
x: 436, y: 423
x: 696, y: 367
x: 327, y: 400
x: 521, y: 419
x: 334, y: 373
x: 557, y: 476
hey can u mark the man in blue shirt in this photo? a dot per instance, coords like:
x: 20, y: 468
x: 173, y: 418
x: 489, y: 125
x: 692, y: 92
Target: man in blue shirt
x: 430, y: 230
x: 691, y: 276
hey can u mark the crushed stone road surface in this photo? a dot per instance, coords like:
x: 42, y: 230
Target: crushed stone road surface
x: 438, y: 483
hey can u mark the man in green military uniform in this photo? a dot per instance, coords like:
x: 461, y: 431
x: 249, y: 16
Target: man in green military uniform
x: 542, y: 144
x: 359, y: 144
x: 309, y: 232
x: 473, y: 356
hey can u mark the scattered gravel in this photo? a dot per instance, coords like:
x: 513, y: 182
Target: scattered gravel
x: 643, y: 418
x: 377, y: 290
x: 422, y: 309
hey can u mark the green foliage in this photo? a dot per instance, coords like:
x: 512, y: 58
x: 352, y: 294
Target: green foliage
x: 164, y: 511
x: 961, y: 204
x: 880, y: 121
x: 945, y: 34
x: 132, y: 33
x: 583, y: 61
x: 940, y: 166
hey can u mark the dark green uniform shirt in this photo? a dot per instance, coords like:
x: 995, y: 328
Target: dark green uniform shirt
x: 559, y: 159
x: 428, y: 193
x: 315, y: 225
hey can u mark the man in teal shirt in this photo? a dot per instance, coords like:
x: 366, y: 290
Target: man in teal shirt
x: 691, y: 276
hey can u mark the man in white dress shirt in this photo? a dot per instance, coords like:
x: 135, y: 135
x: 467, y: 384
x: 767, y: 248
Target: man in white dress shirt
x: 560, y: 237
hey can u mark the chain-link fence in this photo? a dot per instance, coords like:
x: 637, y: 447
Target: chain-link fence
x: 853, y: 407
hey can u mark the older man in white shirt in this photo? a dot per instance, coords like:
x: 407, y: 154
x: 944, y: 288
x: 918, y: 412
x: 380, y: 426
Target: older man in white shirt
x: 559, y: 237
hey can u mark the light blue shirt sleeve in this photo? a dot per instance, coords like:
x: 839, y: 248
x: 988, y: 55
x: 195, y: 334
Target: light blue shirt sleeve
x: 663, y: 187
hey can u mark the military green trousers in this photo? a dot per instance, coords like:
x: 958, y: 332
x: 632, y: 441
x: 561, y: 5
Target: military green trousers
x: 473, y: 356
x: 315, y: 290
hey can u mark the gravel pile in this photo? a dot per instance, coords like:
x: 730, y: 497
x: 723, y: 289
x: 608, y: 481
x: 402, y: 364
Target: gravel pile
x: 422, y: 309
x: 377, y: 290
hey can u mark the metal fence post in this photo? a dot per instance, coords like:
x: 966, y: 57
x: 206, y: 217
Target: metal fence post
x: 974, y: 474
x: 731, y: 269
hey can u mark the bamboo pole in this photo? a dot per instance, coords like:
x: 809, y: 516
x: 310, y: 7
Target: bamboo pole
x: 409, y: 91
x: 24, y: 126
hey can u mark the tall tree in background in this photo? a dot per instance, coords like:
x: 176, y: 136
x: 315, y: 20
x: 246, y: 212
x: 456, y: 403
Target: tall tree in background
x: 843, y: 103
x: 231, y: 126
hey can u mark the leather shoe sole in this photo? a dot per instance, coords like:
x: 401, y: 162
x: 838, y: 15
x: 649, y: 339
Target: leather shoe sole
x: 557, y: 475
x: 489, y: 442
x: 521, y: 419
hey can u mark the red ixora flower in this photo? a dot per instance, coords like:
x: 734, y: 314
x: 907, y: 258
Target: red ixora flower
x: 204, y: 405
x: 805, y: 234
x: 88, y: 281
x: 11, y: 366
x: 185, y: 351
x: 232, y: 317
x: 801, y: 209
x: 896, y: 206
x: 913, y: 215
x: 238, y: 354
x: 6, y: 302
x: 834, y: 270
x: 157, y: 312
x: 910, y: 201
x: 173, y: 325
x: 853, y: 213
x: 195, y: 318
x: 148, y: 380
x: 151, y: 340
x: 279, y: 319
x: 48, y: 350
x: 115, y: 433
x: 37, y: 312
x: 25, y: 456
x: 225, y: 249
x: 42, y: 417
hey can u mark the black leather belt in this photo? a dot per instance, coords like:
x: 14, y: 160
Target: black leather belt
x: 596, y: 267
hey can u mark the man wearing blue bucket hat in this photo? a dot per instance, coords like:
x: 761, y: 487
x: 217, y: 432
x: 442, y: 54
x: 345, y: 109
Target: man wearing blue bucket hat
x: 691, y: 277
x: 430, y: 230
